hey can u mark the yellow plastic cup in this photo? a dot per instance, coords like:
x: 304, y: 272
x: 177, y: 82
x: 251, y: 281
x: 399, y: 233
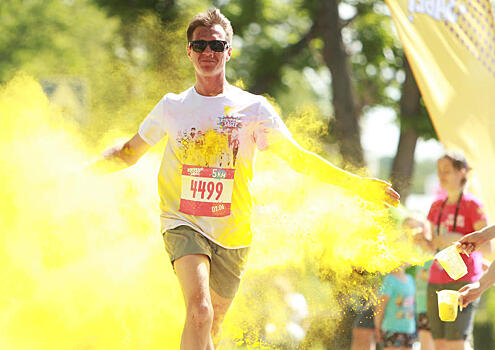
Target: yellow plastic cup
x: 451, y: 261
x: 448, y: 301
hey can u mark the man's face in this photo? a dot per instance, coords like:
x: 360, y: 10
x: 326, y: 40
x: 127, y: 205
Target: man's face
x: 209, y: 62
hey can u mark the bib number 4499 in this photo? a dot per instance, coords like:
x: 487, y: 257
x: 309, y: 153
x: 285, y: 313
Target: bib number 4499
x: 206, y: 191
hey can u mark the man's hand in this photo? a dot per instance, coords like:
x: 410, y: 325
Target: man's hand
x: 469, y: 293
x: 378, y: 191
x: 119, y: 157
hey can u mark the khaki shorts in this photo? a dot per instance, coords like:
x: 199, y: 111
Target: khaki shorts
x: 226, y: 265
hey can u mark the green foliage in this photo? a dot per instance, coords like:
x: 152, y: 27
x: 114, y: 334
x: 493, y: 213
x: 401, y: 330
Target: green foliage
x: 50, y: 37
x: 269, y: 60
x: 124, y: 66
x: 132, y: 83
x: 378, y: 64
x: 421, y: 124
x: 264, y: 32
x: 484, y: 330
x: 132, y: 10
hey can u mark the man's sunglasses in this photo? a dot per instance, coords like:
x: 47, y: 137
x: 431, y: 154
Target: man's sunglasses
x: 215, y: 45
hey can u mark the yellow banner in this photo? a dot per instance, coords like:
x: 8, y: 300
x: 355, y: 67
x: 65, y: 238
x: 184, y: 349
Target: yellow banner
x: 451, y: 48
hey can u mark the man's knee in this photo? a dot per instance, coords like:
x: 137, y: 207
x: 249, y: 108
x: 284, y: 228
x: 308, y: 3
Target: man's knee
x: 200, y: 313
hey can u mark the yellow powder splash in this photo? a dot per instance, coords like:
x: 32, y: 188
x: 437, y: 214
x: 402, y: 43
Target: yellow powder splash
x: 84, y: 261
x: 80, y: 254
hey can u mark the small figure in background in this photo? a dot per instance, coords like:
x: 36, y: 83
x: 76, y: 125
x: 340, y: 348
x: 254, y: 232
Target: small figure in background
x: 395, y: 325
x: 417, y: 226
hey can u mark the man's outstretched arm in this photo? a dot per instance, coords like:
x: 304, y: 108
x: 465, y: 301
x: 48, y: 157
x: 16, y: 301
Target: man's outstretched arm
x: 121, y: 156
x: 308, y: 163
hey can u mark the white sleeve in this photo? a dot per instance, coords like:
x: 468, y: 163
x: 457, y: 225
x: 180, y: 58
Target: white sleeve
x: 270, y: 126
x: 153, y: 127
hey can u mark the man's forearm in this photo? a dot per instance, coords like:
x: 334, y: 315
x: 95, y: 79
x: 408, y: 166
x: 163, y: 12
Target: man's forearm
x: 305, y: 162
x: 121, y: 156
x: 309, y: 163
x: 107, y: 164
x: 325, y: 171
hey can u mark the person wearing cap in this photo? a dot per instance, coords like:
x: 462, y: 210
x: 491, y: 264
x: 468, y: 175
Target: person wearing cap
x: 452, y: 216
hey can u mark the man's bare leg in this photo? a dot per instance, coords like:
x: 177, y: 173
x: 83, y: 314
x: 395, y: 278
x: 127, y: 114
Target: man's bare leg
x: 193, y: 272
x: 220, y: 307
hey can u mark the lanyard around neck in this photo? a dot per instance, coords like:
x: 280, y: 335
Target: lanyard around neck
x: 455, y: 216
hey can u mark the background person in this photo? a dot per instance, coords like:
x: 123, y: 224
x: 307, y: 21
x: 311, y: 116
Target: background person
x: 421, y: 234
x: 363, y: 330
x: 451, y: 217
x: 395, y: 325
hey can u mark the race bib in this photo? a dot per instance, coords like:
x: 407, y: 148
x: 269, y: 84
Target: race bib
x: 206, y: 191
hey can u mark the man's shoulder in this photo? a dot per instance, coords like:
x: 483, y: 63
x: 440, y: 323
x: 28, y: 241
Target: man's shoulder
x: 177, y: 98
x: 235, y: 91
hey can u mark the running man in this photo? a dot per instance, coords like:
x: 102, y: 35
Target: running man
x: 204, y: 183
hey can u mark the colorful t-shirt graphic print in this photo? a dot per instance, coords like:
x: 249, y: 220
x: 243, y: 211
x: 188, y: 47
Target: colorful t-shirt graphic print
x: 204, y: 179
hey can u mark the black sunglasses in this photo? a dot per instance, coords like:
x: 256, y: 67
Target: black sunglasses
x: 215, y: 45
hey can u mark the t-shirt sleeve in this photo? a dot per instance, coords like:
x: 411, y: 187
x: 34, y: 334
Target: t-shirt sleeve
x: 153, y: 127
x: 387, y: 287
x: 270, y: 127
x: 476, y: 211
x: 431, y: 214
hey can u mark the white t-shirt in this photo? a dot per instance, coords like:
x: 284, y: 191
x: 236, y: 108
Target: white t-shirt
x: 204, y: 179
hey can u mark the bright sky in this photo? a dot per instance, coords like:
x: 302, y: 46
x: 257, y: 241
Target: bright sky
x: 380, y: 136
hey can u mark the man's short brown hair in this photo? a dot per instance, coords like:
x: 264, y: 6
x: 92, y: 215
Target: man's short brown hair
x: 209, y: 19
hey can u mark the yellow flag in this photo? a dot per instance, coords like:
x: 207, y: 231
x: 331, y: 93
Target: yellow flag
x: 451, y: 48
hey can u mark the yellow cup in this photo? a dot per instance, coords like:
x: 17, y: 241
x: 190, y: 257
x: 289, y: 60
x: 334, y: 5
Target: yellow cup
x: 448, y: 301
x: 451, y: 261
